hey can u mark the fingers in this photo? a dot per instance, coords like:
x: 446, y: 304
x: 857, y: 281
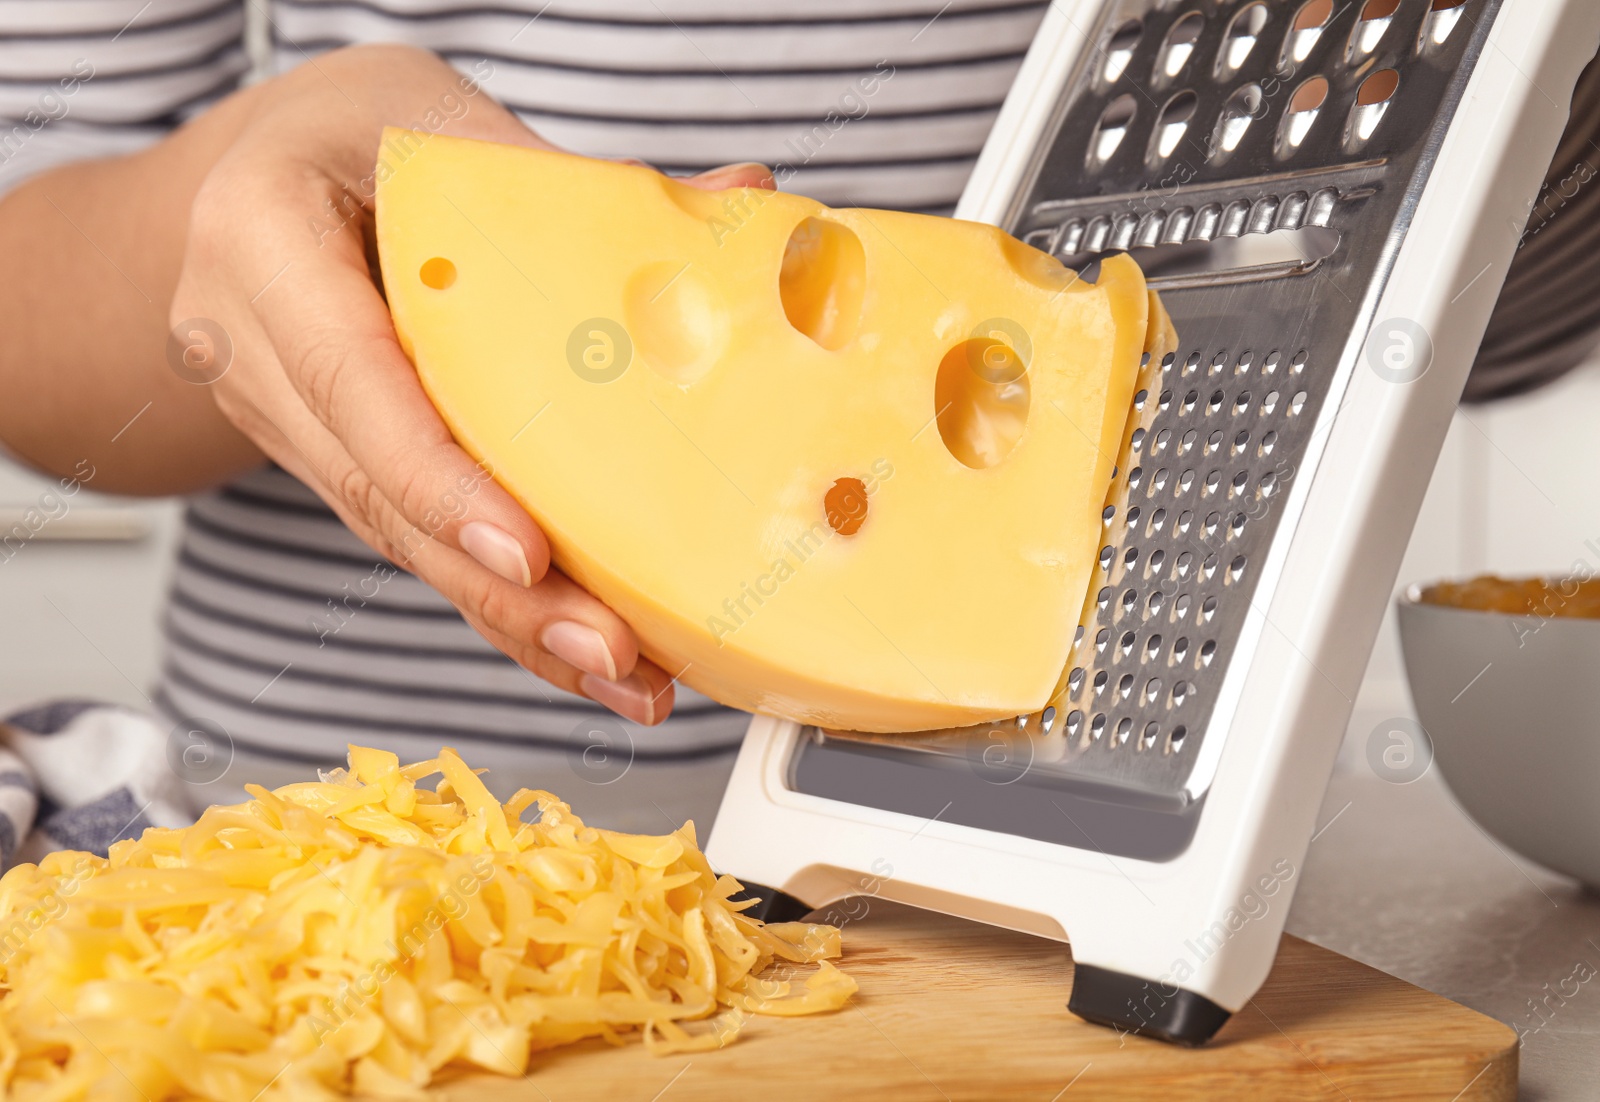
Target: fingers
x: 645, y: 696
x: 747, y: 174
x: 554, y: 615
x: 332, y: 333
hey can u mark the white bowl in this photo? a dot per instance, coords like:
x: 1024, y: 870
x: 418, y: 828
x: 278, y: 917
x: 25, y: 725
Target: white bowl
x: 1511, y: 705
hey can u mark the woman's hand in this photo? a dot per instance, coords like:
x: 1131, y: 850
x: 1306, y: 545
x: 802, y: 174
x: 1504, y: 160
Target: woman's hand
x: 280, y: 257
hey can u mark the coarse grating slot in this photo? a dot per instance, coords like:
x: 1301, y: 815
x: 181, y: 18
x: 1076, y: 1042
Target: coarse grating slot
x: 1185, y: 124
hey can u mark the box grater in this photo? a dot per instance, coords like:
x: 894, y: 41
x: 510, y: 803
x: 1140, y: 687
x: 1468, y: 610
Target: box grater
x: 1327, y: 195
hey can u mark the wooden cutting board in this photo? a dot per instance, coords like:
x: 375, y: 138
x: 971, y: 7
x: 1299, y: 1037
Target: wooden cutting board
x: 950, y: 1010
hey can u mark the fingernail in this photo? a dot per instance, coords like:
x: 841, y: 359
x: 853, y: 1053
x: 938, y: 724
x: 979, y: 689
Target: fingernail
x: 496, y: 549
x: 630, y: 697
x: 580, y: 645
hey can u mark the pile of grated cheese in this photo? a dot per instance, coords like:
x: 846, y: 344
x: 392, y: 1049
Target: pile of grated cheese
x: 362, y: 933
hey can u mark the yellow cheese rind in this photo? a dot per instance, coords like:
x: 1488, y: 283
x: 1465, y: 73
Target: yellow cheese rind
x: 686, y: 489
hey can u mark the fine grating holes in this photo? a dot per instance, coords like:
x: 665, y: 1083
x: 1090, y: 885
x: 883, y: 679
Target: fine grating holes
x: 1135, y: 477
x: 1213, y: 480
x: 1047, y: 720
x: 1236, y: 568
x: 1218, y: 362
x: 1097, y: 726
x: 1152, y: 647
x: 1185, y: 519
x: 1152, y: 689
x: 1372, y: 103
x: 1125, y: 686
x: 1214, y: 403
x: 1153, y: 605
x: 1165, y: 400
x: 1298, y: 364
x: 1309, y: 23
x: 1246, y: 358
x: 1172, y: 125
x: 1208, y: 607
x: 1188, y: 441
x: 1105, y: 557
x: 1175, y: 740
x: 1075, y: 680
x: 1167, y: 361
x: 1100, y: 680
x: 1185, y: 480
x: 1297, y: 403
x: 1157, y: 557
x: 1376, y: 15
x: 1124, y: 729
x: 1240, y: 441
x: 1214, y: 441
x: 1180, y: 609
x: 1164, y: 437
x: 1192, y: 364
x: 1442, y: 17
x: 1119, y: 50
x: 1136, y: 441
x: 1074, y: 723
x: 1159, y: 483
x: 1101, y: 638
x: 1179, y: 45
x: 1241, y: 109
x: 1238, y: 483
x: 1133, y: 517
x: 1180, y: 649
x: 1270, y: 365
x: 1129, y: 599
x: 1268, y: 442
x: 1151, y: 731
x: 1236, y: 526
x: 1244, y: 31
x: 1208, y: 570
x: 1269, y: 403
x: 1207, y: 650
x: 1189, y: 400
x: 1158, y: 521
x: 1304, y: 107
x: 1180, y: 693
x: 1185, y: 561
x: 1104, y: 599
x: 1107, y: 513
x: 1125, y: 644
x: 1111, y: 129
x: 1210, y: 526
x: 1241, y: 403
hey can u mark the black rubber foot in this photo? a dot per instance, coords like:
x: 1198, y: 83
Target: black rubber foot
x: 772, y: 905
x: 1146, y: 1008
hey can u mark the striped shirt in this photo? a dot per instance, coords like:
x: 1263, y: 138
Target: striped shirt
x: 284, y: 630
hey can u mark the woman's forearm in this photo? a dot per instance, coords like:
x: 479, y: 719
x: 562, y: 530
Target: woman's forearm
x: 91, y: 254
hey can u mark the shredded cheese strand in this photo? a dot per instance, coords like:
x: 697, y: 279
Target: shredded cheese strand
x: 361, y: 933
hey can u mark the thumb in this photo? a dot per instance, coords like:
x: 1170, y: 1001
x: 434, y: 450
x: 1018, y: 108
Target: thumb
x: 747, y: 174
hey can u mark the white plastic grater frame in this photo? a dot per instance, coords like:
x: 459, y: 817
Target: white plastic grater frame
x: 1344, y: 533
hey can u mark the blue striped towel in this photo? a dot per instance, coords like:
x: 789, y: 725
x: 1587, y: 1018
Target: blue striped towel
x: 79, y: 774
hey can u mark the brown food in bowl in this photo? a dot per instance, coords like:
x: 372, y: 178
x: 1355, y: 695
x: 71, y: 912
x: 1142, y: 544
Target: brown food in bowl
x: 1574, y: 597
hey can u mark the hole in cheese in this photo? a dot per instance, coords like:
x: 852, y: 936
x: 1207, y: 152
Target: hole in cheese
x: 845, y: 504
x: 822, y: 282
x: 438, y: 273
x: 981, y: 395
x: 677, y: 321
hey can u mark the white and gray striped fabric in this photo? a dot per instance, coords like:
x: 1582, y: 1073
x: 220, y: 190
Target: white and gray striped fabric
x: 286, y: 638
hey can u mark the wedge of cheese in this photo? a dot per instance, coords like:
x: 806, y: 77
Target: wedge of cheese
x: 841, y: 466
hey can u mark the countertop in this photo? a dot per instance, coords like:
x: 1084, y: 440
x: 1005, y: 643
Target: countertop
x: 1400, y: 878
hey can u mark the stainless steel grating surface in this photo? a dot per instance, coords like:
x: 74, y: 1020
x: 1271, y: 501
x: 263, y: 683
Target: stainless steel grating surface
x: 1193, y: 129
